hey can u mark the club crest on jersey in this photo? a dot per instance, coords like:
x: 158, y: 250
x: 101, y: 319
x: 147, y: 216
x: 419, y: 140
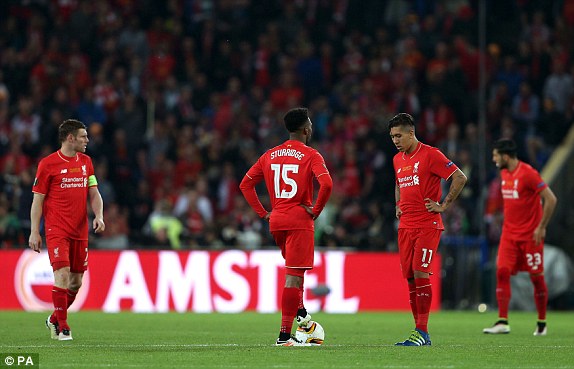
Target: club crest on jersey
x: 416, y: 168
x: 510, y: 193
x: 84, y: 172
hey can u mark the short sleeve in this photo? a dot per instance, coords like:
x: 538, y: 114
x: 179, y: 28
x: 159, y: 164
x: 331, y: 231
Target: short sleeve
x: 318, y: 165
x: 535, y: 181
x: 441, y: 165
x: 42, y: 179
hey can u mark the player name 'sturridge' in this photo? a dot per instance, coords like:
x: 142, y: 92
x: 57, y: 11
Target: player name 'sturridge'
x: 287, y: 152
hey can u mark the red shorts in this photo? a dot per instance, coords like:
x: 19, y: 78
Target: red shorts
x: 417, y: 248
x: 520, y: 256
x: 297, y: 247
x: 66, y: 252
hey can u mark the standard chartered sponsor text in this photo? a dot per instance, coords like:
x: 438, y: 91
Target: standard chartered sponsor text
x: 73, y: 182
x: 408, y: 181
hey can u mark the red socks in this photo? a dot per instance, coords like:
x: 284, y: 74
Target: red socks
x: 413, y: 300
x: 540, y: 295
x: 423, y: 302
x: 60, y: 300
x: 71, y: 297
x: 289, y: 306
x: 503, y: 292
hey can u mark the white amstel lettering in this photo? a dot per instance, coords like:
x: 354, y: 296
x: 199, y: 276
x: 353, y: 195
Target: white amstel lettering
x: 74, y: 182
x: 287, y: 152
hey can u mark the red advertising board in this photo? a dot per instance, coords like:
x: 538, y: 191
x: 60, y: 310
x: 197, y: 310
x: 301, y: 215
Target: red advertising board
x: 210, y: 281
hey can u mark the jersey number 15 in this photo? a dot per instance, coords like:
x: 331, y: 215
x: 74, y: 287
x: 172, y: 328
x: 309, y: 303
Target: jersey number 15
x: 281, y: 173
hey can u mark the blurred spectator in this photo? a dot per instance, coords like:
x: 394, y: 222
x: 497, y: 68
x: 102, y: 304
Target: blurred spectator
x: 559, y: 86
x: 14, y: 162
x: 525, y: 110
x: 132, y: 39
x: 4, y: 93
x: 537, y: 30
x: 550, y: 129
x: 435, y: 121
x: 130, y: 117
x: 9, y: 224
x: 117, y: 230
x: 164, y: 227
x: 88, y: 111
x: 26, y: 123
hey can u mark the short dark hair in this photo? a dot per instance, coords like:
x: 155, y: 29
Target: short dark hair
x: 69, y: 126
x: 296, y: 118
x: 402, y: 119
x: 506, y: 146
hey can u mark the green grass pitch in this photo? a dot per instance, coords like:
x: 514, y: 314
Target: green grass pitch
x: 364, y: 340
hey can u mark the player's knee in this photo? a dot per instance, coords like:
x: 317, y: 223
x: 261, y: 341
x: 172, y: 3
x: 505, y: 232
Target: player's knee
x: 293, y: 280
x: 61, y: 276
x: 538, y: 281
x: 74, y: 285
x: 503, y: 274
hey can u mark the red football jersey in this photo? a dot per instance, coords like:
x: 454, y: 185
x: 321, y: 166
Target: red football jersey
x: 418, y: 176
x: 522, y: 205
x: 288, y: 171
x: 64, y: 182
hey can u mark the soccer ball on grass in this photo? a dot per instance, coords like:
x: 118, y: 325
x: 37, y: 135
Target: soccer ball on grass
x: 313, y: 333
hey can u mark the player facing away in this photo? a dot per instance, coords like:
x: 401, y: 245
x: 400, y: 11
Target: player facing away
x: 419, y: 169
x: 521, y: 246
x: 288, y: 171
x: 64, y: 181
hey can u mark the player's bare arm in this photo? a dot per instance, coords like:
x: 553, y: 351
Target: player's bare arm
x: 98, y: 208
x: 35, y: 240
x: 398, y: 211
x: 549, y: 201
x: 458, y: 180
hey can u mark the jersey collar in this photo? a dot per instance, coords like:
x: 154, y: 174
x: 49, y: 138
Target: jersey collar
x: 66, y: 158
x: 517, y: 169
x: 407, y: 156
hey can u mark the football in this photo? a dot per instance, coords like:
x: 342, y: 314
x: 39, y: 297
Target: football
x: 313, y: 333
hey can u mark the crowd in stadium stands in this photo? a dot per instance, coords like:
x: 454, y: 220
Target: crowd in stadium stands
x: 181, y: 96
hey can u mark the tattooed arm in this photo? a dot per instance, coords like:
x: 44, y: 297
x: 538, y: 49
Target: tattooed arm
x: 398, y: 211
x: 458, y: 180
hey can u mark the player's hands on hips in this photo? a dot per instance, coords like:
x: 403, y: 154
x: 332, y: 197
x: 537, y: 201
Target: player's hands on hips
x: 99, y: 225
x: 267, y: 216
x: 398, y: 212
x: 433, y: 206
x: 309, y: 211
x: 539, y: 235
x: 35, y: 241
